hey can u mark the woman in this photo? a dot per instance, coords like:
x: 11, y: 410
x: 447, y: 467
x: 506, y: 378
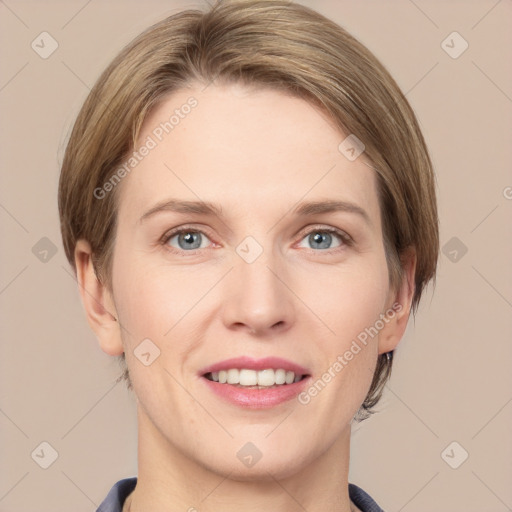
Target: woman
x: 249, y: 206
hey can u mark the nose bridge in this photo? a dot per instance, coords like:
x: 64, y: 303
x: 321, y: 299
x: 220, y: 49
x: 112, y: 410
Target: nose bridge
x: 257, y: 297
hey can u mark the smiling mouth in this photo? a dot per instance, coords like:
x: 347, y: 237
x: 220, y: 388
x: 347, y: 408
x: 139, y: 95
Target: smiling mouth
x: 255, y: 379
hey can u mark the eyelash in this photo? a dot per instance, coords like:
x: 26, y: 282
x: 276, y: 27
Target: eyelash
x: 345, y: 239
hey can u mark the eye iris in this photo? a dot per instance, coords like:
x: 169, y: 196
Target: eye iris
x: 192, y: 240
x: 323, y: 239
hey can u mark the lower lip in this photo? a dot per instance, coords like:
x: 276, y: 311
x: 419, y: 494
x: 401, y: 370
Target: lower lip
x: 257, y: 398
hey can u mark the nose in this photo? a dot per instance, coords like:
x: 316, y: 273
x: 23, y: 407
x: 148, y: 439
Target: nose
x: 257, y: 300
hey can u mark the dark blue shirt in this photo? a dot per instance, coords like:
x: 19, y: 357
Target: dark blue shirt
x: 118, y: 494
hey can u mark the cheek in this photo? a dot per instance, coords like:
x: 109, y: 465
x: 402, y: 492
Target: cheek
x: 148, y: 298
x: 348, y: 299
x: 355, y: 299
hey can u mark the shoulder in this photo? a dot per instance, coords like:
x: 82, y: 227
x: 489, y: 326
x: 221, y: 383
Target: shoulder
x: 117, y: 495
x: 362, y: 499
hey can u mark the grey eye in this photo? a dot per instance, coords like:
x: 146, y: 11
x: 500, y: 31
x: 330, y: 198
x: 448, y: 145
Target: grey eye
x: 188, y: 240
x: 319, y: 239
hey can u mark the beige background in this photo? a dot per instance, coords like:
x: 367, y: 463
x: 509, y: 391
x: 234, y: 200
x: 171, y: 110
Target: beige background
x: 452, y: 378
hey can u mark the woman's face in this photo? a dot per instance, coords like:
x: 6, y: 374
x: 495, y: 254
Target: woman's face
x: 262, y: 269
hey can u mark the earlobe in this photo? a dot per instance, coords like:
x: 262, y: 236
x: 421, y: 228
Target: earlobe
x: 400, y: 308
x: 98, y: 302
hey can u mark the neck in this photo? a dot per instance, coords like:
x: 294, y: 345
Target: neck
x: 170, y: 480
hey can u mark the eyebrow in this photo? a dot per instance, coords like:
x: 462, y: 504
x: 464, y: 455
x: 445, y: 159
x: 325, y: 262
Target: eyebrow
x: 302, y: 210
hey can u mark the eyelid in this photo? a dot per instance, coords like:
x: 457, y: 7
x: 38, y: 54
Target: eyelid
x: 323, y: 227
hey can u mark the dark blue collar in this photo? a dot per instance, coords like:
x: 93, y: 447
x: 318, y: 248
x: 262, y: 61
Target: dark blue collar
x: 118, y: 494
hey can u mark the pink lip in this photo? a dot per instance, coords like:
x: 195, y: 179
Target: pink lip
x: 255, y: 364
x: 257, y: 398
x: 254, y: 398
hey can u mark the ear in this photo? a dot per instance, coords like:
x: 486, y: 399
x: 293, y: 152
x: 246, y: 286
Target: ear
x: 98, y: 302
x: 399, y: 305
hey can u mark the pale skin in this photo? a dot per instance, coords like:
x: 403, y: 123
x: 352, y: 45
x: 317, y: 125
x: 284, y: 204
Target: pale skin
x: 258, y: 154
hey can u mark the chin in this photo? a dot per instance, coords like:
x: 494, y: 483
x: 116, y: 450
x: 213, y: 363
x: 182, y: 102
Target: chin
x: 268, y: 464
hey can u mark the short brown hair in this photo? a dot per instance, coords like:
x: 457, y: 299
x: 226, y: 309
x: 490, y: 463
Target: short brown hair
x: 270, y: 43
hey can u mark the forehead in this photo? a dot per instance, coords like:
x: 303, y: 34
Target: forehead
x: 240, y: 146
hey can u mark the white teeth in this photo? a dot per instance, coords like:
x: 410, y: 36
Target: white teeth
x: 248, y: 378
x: 262, y: 378
x: 233, y: 376
x: 266, y: 378
x: 280, y: 376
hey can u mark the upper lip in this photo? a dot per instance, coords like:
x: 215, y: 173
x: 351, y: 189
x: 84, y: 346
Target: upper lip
x: 249, y: 363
